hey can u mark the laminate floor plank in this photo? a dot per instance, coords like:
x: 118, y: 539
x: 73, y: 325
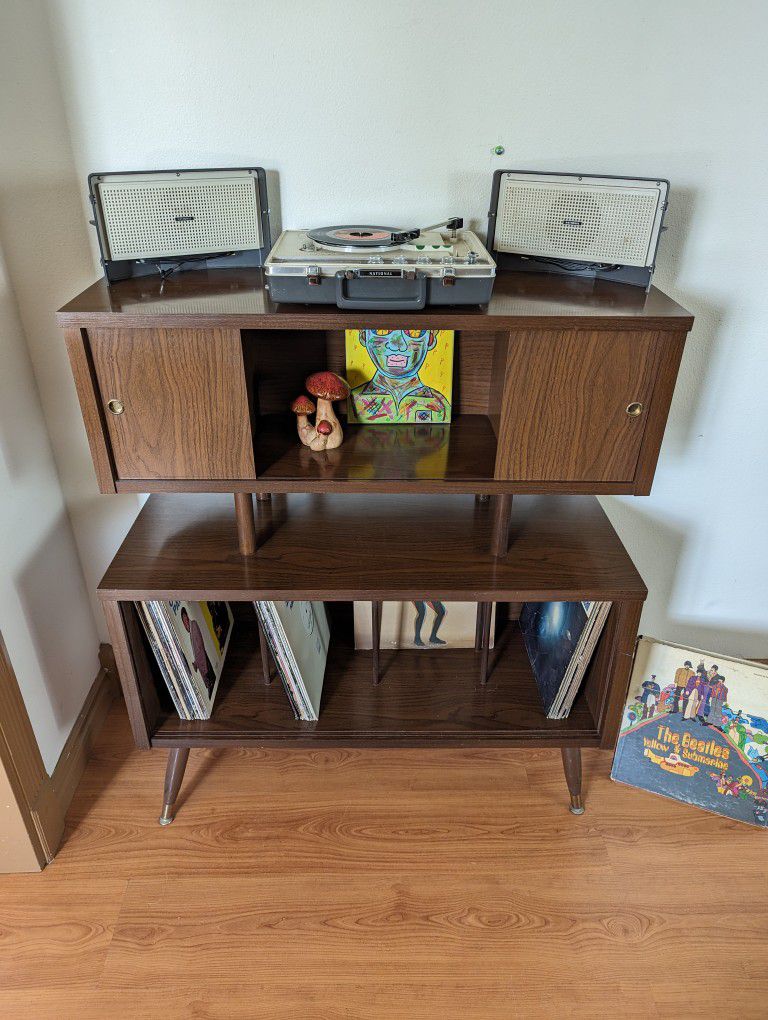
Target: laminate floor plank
x: 362, y: 1000
x: 55, y: 933
x: 324, y: 838
x: 394, y: 925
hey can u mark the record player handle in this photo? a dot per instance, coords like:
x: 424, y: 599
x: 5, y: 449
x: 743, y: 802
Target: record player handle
x: 412, y: 303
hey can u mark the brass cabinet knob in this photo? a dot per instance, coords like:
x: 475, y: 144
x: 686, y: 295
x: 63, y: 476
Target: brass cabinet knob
x: 634, y: 410
x: 116, y: 406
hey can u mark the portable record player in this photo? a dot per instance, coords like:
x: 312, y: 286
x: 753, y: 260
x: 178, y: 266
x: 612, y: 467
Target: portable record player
x: 380, y: 268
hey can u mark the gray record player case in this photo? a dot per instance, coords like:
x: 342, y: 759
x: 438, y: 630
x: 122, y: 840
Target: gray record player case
x: 407, y: 277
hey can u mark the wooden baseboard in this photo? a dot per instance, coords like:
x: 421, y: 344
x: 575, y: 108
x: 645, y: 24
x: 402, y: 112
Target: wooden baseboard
x: 55, y: 794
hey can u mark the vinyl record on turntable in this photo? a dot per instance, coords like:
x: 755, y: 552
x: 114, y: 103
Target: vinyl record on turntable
x: 352, y: 237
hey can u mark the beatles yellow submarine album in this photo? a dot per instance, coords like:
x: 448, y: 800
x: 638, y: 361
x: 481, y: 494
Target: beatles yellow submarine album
x: 695, y: 728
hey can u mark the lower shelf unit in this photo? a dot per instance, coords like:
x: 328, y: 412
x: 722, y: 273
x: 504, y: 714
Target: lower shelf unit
x: 346, y: 547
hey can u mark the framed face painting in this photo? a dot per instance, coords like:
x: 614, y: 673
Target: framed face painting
x: 400, y: 376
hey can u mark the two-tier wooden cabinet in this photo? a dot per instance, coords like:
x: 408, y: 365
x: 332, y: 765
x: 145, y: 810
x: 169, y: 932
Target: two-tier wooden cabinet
x: 561, y: 388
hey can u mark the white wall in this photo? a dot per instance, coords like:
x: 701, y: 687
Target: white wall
x: 45, y: 237
x: 388, y: 112
x: 48, y: 612
x: 45, y: 615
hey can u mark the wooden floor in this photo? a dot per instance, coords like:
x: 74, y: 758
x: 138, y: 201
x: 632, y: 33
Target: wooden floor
x: 400, y: 884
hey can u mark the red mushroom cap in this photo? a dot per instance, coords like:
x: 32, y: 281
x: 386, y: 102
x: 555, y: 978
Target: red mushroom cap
x: 327, y: 386
x: 324, y: 427
x: 303, y: 405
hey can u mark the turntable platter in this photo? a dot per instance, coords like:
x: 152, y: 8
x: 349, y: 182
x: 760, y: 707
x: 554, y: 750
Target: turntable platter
x: 353, y: 238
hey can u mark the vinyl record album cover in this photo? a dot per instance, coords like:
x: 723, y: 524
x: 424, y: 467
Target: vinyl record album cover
x: 190, y: 641
x: 424, y: 623
x: 400, y: 376
x: 695, y: 729
x: 560, y: 638
x: 298, y: 634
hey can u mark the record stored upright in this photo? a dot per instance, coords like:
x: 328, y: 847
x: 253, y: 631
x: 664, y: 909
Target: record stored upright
x: 561, y: 391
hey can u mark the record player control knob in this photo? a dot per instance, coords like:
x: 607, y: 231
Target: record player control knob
x: 422, y: 260
x: 375, y: 260
x: 472, y: 257
x: 400, y: 260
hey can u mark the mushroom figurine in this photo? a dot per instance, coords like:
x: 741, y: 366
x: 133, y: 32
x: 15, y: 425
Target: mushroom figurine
x: 301, y: 407
x: 323, y: 433
x: 328, y: 387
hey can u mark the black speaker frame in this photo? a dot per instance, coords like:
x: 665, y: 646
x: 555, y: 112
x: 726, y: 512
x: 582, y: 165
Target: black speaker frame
x: 125, y: 269
x: 635, y: 276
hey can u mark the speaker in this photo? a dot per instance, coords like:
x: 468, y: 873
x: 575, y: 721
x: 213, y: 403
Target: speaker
x: 165, y: 220
x: 577, y: 224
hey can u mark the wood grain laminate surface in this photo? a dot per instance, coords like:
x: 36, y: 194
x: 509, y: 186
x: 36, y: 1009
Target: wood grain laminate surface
x: 387, y: 885
x: 462, y: 452
x: 92, y: 406
x: 564, y: 414
x: 341, y: 547
x: 237, y: 299
x: 183, y: 408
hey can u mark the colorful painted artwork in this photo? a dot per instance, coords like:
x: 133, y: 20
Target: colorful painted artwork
x: 400, y: 376
x: 423, y: 623
x: 695, y: 729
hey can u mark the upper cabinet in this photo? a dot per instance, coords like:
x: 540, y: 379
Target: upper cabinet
x: 558, y: 386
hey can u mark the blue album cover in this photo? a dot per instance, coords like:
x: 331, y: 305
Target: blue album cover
x: 551, y: 633
x: 695, y: 729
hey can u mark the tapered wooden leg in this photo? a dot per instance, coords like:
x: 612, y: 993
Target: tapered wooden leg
x: 376, y: 640
x: 246, y: 528
x: 502, y: 514
x: 263, y: 497
x: 572, y: 767
x: 479, y: 626
x: 485, y: 640
x: 266, y: 669
x: 174, y: 773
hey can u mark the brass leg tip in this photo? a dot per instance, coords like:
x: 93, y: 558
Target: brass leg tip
x: 577, y: 806
x: 166, y: 816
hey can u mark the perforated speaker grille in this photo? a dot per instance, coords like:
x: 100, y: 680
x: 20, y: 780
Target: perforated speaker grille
x: 614, y: 224
x: 155, y: 217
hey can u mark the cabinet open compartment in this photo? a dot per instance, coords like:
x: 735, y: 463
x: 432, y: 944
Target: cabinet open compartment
x: 425, y: 698
x: 463, y: 453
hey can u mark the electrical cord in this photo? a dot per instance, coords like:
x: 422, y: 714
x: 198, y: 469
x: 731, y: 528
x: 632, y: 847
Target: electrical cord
x: 572, y: 266
x: 165, y: 273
